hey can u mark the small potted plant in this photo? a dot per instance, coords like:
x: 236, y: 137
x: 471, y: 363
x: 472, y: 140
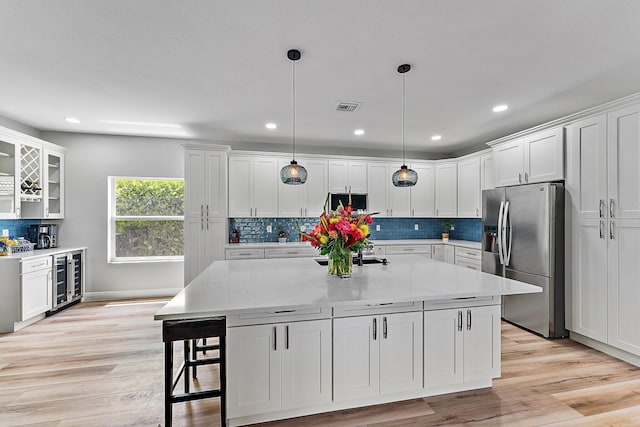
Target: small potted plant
x: 282, y: 236
x: 448, y: 226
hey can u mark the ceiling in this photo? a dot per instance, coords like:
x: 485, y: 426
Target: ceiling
x: 219, y: 68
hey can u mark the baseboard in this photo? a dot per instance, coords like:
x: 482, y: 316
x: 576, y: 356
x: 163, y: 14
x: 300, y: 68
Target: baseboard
x: 606, y: 348
x: 119, y: 295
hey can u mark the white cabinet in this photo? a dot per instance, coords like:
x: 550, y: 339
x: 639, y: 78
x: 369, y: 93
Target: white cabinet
x: 408, y: 249
x: 307, y: 199
x: 35, y: 287
x: 384, y: 197
x: 443, y: 253
x: 278, y: 367
x: 44, y: 165
x: 347, y: 176
x: 205, y: 221
x: 377, y: 355
x: 446, y: 189
x: 469, y: 200
x: 423, y: 194
x: 487, y: 172
x: 623, y: 156
x: 469, y: 258
x: 53, y: 185
x: 9, y: 180
x: 253, y: 186
x: 534, y: 158
x: 464, y: 345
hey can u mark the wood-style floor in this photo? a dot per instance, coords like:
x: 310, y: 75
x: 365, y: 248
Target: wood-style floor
x: 100, y: 364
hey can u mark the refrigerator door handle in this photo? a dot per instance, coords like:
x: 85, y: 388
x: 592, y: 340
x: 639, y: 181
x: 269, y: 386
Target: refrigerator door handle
x: 499, y: 236
x: 506, y: 223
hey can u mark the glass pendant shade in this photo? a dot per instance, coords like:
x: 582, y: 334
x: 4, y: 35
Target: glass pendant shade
x: 404, y: 177
x: 293, y: 174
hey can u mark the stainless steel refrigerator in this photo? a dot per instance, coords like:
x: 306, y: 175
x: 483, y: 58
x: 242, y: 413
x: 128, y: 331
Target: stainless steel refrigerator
x: 523, y: 239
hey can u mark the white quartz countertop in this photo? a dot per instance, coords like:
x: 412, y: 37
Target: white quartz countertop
x: 37, y: 253
x: 231, y: 287
x: 266, y: 245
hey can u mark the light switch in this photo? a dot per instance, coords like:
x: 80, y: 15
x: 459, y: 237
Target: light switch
x: 415, y: 227
x: 269, y: 228
x: 377, y: 227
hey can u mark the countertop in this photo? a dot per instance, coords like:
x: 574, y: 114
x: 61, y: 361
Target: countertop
x: 37, y: 253
x: 231, y: 287
x: 265, y: 245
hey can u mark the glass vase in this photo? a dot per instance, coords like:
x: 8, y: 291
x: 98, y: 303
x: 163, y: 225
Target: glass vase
x: 340, y: 265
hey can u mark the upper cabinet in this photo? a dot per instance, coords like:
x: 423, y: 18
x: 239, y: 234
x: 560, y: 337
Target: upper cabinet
x: 253, y: 186
x: 307, y: 199
x: 487, y: 172
x: 384, y: 197
x: 9, y: 180
x: 446, y: 189
x: 347, y: 176
x: 53, y: 184
x: 469, y: 188
x: 423, y: 194
x: 534, y: 158
x: 205, y: 183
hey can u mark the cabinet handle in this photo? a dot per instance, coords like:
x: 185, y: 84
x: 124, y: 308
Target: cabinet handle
x: 436, y: 212
x: 275, y: 338
x: 460, y: 320
x: 349, y: 189
x: 244, y: 253
x: 601, y: 229
x: 526, y: 177
x: 286, y: 337
x: 375, y: 328
x: 477, y: 212
x: 300, y: 211
x: 391, y: 211
x: 413, y: 212
x: 601, y: 208
x: 611, y: 227
x: 201, y: 217
x: 207, y: 216
x: 256, y: 211
x: 520, y: 178
x: 384, y: 327
x: 611, y: 203
x: 468, y: 320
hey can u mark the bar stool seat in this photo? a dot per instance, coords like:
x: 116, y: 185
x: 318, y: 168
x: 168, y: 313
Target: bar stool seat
x: 189, y: 331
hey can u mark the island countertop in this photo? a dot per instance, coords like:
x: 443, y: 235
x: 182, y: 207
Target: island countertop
x: 237, y: 286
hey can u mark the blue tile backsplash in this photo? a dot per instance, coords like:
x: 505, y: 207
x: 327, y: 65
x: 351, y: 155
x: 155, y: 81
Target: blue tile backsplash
x: 253, y: 230
x: 17, y: 227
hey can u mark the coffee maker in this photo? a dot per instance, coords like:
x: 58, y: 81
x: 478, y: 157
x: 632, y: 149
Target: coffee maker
x: 44, y: 236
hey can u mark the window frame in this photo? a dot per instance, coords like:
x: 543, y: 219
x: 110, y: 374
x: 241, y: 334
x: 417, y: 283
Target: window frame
x: 112, y: 218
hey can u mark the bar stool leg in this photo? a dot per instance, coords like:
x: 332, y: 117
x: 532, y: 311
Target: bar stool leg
x: 186, y: 365
x: 194, y: 356
x: 168, y: 382
x: 223, y: 380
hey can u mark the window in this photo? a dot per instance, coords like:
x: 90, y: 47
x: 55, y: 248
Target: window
x: 146, y: 219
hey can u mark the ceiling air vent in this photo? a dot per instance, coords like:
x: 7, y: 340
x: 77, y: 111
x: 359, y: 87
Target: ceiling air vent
x: 348, y: 106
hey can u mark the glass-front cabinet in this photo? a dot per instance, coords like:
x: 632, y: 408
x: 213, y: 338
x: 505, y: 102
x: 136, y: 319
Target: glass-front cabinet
x: 9, y: 184
x: 54, y: 184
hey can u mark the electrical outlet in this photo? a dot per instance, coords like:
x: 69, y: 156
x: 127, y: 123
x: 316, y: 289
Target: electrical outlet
x: 303, y: 228
x: 377, y: 227
x: 5, y: 232
x: 269, y: 228
x: 415, y: 227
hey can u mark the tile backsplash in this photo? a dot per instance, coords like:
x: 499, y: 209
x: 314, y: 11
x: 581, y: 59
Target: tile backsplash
x: 17, y: 227
x: 253, y: 230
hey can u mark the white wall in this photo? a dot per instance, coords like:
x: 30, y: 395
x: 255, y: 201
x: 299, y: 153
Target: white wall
x: 90, y: 159
x: 18, y: 127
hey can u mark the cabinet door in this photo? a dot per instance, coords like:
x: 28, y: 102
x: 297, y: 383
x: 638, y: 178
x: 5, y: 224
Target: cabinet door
x: 194, y: 183
x: 358, y: 176
x: 9, y: 181
x: 266, y: 176
x: 449, y: 254
x: 443, y: 341
x: 240, y: 187
x: 316, y: 188
x: 290, y: 196
x: 423, y: 194
x: 215, y: 237
x: 215, y: 197
x: 254, y: 372
x: 356, y: 357
x: 509, y: 163
x: 338, y: 176
x: 487, y: 172
x: 401, y: 352
x: 623, y: 158
x: 399, y: 197
x: 624, y: 292
x: 544, y: 156
x: 437, y: 252
x: 469, y: 188
x: 378, y: 179
x: 306, y: 364
x: 589, y: 278
x: 482, y: 343
x: 53, y: 185
x: 586, y: 185
x: 36, y: 292
x: 194, y: 256
x: 446, y: 190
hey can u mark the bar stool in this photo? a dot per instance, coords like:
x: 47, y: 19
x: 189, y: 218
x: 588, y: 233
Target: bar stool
x: 188, y: 331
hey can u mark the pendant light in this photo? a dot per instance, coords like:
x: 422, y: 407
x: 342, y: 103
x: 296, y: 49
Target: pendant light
x: 404, y: 177
x: 293, y: 173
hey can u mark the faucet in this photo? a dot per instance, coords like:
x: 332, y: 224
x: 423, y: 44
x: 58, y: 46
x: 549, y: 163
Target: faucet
x: 359, y: 258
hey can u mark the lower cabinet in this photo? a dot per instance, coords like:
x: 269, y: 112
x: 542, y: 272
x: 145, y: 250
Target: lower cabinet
x: 443, y: 253
x: 278, y: 367
x: 461, y: 345
x: 35, y: 289
x: 377, y: 355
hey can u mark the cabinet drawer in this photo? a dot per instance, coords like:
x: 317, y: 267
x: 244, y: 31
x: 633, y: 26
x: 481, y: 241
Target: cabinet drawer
x: 469, y: 263
x: 290, y: 252
x: 468, y: 253
x: 278, y: 316
x: 37, y: 264
x: 462, y: 302
x: 381, y: 308
x: 408, y: 249
x: 252, y: 253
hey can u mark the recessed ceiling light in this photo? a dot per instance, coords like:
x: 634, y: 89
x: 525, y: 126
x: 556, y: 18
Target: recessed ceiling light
x: 358, y: 132
x: 122, y: 122
x: 436, y: 137
x: 72, y: 120
x: 499, y: 108
x: 271, y: 126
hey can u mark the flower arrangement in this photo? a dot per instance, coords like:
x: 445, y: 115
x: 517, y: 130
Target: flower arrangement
x: 337, y: 234
x: 5, y: 245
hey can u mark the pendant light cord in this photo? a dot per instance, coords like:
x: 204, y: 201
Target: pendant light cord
x: 403, y: 155
x: 293, y: 156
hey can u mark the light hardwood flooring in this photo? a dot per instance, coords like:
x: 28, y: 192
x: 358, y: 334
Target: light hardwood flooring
x: 100, y: 364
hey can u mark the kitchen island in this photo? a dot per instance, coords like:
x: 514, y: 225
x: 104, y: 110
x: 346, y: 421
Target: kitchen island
x: 300, y: 341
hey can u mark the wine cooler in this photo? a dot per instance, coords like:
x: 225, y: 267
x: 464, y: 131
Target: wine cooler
x: 68, y: 279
